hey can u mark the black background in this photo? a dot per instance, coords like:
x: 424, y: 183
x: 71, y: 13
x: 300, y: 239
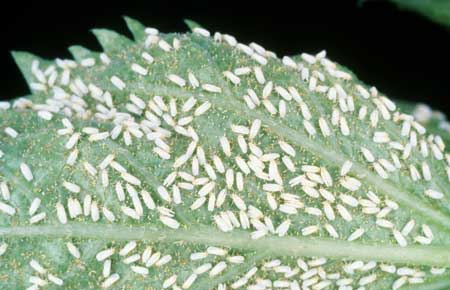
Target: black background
x: 405, y: 55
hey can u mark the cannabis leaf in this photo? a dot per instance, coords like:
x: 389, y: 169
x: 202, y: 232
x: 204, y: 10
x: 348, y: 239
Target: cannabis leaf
x: 436, y: 10
x: 191, y: 161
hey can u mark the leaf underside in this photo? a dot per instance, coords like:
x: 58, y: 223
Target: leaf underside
x: 287, y: 225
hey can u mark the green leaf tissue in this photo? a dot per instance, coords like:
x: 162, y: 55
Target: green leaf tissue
x: 194, y: 161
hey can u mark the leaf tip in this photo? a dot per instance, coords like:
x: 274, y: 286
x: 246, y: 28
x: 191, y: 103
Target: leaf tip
x: 136, y: 28
x: 192, y: 24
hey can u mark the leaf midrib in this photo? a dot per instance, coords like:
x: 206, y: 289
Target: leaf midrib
x: 274, y: 246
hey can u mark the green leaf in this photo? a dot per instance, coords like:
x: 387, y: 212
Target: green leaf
x: 139, y: 107
x: 435, y: 10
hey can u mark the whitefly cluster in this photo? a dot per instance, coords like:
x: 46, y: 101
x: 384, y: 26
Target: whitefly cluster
x: 247, y: 147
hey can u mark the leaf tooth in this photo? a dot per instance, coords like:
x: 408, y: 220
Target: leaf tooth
x: 24, y: 61
x: 136, y: 28
x: 111, y: 41
x: 80, y: 53
x: 192, y: 24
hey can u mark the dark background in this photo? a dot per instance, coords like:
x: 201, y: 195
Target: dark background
x: 405, y: 55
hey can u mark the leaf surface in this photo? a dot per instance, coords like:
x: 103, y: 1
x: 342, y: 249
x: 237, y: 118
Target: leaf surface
x: 287, y: 215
